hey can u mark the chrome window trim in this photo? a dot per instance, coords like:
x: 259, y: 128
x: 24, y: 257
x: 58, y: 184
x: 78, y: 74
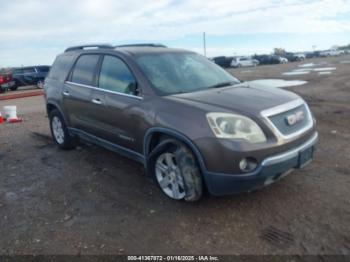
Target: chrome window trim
x: 283, y: 108
x: 104, y: 90
x: 291, y: 153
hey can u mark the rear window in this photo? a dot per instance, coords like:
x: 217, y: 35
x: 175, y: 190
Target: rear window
x: 61, y: 67
x: 84, y: 70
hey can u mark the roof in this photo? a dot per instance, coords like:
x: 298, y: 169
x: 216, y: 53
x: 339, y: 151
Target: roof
x: 141, y: 50
x: 134, y: 49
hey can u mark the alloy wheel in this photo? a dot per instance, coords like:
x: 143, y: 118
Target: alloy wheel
x: 168, y: 175
x: 57, y: 129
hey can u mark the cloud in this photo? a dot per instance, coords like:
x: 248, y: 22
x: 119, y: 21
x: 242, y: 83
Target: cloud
x: 50, y: 26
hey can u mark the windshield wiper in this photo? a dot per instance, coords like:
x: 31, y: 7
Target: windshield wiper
x: 222, y: 84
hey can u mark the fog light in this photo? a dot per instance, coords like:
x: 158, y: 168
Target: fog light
x: 248, y: 164
x: 243, y: 164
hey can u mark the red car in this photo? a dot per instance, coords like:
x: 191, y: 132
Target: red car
x: 6, y: 82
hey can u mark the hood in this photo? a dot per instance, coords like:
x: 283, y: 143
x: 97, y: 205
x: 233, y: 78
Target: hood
x: 244, y: 98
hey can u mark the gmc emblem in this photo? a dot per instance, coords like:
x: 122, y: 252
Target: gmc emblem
x: 295, y: 118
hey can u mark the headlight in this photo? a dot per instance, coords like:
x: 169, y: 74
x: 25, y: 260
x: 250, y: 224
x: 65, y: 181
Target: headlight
x: 225, y: 125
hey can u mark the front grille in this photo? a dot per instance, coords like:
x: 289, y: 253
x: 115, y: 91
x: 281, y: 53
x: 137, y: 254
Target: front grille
x: 280, y: 121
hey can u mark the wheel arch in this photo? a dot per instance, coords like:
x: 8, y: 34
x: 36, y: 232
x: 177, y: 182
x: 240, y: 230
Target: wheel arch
x: 152, y: 136
x: 50, y: 106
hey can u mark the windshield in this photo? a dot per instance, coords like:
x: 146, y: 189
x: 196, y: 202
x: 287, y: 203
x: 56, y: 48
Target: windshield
x: 172, y: 73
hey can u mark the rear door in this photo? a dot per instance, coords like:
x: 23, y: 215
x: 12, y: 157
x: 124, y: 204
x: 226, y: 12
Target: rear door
x: 77, y: 92
x: 29, y: 76
x: 115, y: 112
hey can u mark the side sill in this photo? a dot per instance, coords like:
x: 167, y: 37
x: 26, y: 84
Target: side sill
x: 108, y: 145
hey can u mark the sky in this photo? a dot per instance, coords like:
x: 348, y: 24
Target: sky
x: 33, y: 32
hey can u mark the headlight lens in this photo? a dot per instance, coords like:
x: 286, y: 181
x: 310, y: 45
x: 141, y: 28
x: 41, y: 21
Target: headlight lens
x: 225, y: 125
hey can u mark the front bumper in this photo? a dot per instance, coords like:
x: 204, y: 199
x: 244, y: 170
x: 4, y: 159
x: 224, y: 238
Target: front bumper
x: 270, y: 170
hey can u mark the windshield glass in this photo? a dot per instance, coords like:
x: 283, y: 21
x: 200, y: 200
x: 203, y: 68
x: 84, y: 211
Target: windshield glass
x: 172, y: 73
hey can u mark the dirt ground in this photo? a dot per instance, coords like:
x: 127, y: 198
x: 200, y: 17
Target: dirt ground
x: 92, y: 201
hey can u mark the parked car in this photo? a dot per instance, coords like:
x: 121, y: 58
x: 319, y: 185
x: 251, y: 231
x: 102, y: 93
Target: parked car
x: 223, y: 61
x: 300, y: 56
x: 189, y: 122
x: 292, y: 57
x: 244, y: 61
x: 283, y: 60
x: 30, y: 75
x: 332, y: 52
x: 267, y: 59
x: 6, y: 82
x: 313, y: 54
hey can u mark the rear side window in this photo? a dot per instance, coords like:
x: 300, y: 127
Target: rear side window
x: 116, y: 76
x: 60, y: 67
x: 84, y: 70
x: 43, y: 69
x: 17, y: 71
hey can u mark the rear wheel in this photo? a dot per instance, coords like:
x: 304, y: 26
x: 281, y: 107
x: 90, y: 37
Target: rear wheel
x: 15, y: 87
x: 40, y: 84
x: 60, y: 132
x: 175, y: 170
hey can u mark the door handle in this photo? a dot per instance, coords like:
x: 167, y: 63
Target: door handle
x: 96, y: 101
x: 66, y: 93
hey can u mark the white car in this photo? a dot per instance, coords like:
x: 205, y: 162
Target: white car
x: 332, y: 52
x: 244, y: 61
x: 300, y: 56
x: 283, y: 60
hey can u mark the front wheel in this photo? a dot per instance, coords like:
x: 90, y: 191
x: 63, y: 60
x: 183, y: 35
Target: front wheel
x: 175, y: 170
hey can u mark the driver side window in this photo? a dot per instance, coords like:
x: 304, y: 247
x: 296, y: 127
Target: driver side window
x: 115, y: 76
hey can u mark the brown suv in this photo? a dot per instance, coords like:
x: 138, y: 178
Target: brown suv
x: 190, y: 123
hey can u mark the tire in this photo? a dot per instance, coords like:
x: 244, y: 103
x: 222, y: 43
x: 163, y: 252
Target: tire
x: 175, y: 170
x: 59, y: 131
x: 15, y: 87
x: 40, y: 84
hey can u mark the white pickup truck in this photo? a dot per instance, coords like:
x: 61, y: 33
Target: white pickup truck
x: 332, y: 52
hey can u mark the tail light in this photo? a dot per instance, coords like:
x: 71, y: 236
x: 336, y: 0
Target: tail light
x: 1, y: 79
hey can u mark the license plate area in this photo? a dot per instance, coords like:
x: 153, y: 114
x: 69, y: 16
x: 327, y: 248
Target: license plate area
x: 305, y: 157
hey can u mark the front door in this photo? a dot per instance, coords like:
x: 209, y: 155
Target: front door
x: 116, y: 104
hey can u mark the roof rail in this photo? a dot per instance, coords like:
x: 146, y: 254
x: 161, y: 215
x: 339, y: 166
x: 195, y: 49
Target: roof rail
x: 142, y: 45
x: 82, y: 47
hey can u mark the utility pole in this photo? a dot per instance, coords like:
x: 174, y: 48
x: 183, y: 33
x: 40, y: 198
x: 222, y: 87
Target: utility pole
x: 204, y: 44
